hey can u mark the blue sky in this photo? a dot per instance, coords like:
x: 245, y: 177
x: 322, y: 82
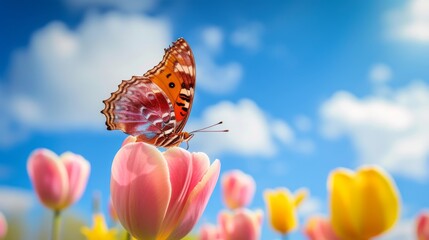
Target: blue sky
x: 303, y: 86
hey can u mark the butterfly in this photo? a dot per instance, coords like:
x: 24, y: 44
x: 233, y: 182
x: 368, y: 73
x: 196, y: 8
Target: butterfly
x: 156, y: 106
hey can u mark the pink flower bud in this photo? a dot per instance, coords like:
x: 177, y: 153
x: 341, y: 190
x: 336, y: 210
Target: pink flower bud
x: 423, y: 226
x: 238, y: 189
x: 241, y: 224
x: 160, y: 195
x: 319, y: 228
x: 3, y: 226
x: 210, y: 232
x: 58, y: 181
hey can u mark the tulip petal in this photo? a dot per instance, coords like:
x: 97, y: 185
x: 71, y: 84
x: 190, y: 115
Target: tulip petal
x: 198, y: 198
x: 129, y: 139
x: 379, y: 194
x: 343, y: 194
x: 422, y: 226
x: 238, y: 189
x: 140, y: 189
x: 186, y: 170
x: 49, y: 178
x: 363, y: 204
x: 319, y: 228
x: 99, y: 230
x: 225, y: 222
x: 78, y: 172
x: 300, y: 195
x: 112, y: 211
x: 210, y: 232
x: 281, y: 209
x: 241, y: 224
x: 3, y: 226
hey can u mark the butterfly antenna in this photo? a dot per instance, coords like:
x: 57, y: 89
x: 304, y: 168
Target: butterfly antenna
x: 204, y: 129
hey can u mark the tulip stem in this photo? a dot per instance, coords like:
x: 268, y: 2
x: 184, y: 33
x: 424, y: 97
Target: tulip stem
x: 128, y: 236
x: 285, y: 237
x: 56, y: 225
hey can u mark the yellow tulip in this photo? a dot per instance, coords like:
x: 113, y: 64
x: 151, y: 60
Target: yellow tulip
x: 100, y: 230
x: 363, y: 204
x: 281, y: 207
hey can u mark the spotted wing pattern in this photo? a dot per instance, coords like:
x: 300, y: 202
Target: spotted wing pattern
x: 155, y: 107
x: 139, y: 107
x: 176, y: 75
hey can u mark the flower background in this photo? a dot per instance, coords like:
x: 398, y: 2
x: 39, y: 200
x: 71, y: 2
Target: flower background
x: 303, y: 86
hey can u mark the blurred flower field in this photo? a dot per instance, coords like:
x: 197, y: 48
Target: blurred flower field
x: 162, y: 195
x: 271, y: 120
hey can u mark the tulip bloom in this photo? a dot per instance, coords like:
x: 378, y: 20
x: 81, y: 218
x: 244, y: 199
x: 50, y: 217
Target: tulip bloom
x: 241, y: 224
x: 129, y: 139
x: 59, y: 181
x: 281, y: 208
x: 160, y: 195
x: 112, y: 212
x: 3, y: 226
x: 99, y: 230
x: 210, y: 232
x: 319, y: 228
x: 422, y: 226
x: 363, y: 204
x: 238, y: 189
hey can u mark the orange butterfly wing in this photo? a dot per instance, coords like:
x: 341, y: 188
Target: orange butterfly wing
x: 176, y: 75
x: 155, y: 107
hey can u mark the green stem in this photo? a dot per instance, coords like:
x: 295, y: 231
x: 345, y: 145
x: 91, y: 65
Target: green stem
x: 56, y: 225
x: 285, y: 237
x: 128, y: 236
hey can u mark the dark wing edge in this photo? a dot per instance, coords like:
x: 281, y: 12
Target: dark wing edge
x: 139, y: 107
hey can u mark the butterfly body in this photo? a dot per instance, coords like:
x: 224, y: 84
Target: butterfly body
x: 155, y: 107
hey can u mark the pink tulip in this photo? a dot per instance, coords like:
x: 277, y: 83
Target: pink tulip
x: 210, y: 232
x: 129, y: 139
x: 3, y: 226
x: 319, y: 228
x: 160, y: 195
x: 241, y: 224
x: 59, y: 181
x: 423, y: 226
x: 112, y: 211
x: 238, y: 189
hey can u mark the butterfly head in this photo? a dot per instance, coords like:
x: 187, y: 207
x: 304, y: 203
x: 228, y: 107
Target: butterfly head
x: 186, y: 136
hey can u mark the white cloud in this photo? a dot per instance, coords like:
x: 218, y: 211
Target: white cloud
x: 251, y: 132
x: 310, y: 206
x: 212, y: 76
x: 278, y: 168
x: 404, y: 229
x: 380, y: 73
x: 282, y: 131
x: 411, y: 22
x: 389, y: 130
x: 248, y: 36
x: 304, y: 146
x: 212, y: 38
x: 303, y: 123
x: 15, y: 200
x: 61, y: 78
x: 11, y: 131
x: 125, y: 5
x: 217, y: 79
